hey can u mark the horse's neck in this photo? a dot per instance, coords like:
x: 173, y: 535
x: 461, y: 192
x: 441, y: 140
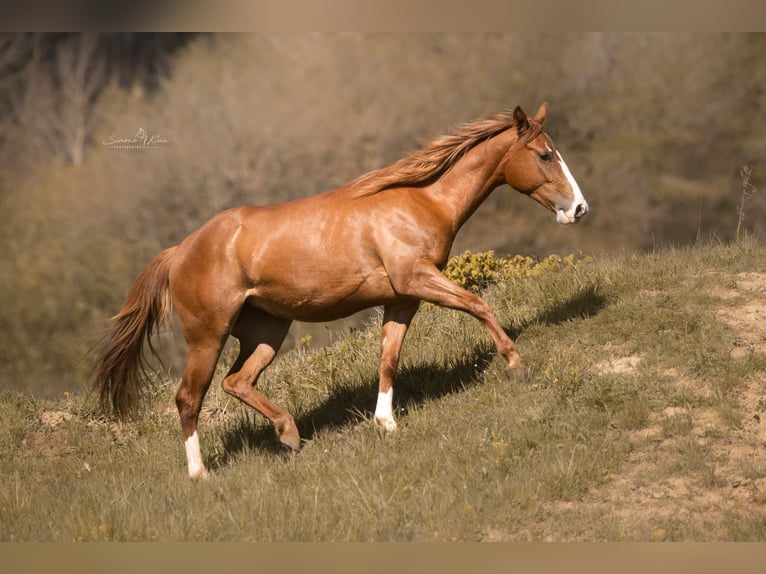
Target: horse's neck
x: 470, y: 181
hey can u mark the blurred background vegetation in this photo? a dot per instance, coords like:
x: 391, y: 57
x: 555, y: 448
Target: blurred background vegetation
x: 655, y: 128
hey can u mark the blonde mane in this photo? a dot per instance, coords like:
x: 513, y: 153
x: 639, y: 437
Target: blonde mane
x: 437, y: 156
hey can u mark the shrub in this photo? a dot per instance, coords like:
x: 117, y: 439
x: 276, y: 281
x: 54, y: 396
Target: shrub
x: 477, y: 271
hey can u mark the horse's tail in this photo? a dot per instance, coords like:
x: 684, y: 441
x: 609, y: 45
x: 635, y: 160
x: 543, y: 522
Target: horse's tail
x: 121, y: 365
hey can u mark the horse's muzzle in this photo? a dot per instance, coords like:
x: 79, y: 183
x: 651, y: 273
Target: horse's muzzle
x: 580, y: 211
x: 572, y: 215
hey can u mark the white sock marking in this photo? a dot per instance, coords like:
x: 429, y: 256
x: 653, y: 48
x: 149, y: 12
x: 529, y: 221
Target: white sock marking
x: 384, y: 413
x: 194, y: 457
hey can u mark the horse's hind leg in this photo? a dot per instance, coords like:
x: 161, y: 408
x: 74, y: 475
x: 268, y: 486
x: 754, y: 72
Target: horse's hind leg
x: 200, y: 366
x: 260, y: 336
x: 205, y: 335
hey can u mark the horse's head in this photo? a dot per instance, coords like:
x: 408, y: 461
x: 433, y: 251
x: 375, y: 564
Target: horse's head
x: 534, y: 166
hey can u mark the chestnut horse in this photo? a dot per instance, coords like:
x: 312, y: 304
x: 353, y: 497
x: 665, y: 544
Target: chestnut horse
x: 378, y: 240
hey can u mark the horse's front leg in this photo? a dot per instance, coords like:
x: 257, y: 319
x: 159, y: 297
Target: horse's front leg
x: 396, y: 321
x: 429, y: 284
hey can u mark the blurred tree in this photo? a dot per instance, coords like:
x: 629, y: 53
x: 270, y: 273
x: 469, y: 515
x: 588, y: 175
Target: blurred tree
x: 50, y: 82
x: 80, y: 74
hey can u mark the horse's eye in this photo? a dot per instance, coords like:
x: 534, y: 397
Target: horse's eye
x: 546, y: 156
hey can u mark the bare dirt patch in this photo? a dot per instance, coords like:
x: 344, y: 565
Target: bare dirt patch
x: 619, y: 362
x: 54, y: 418
x: 745, y: 313
x: 48, y: 443
x: 51, y: 439
x: 620, y: 365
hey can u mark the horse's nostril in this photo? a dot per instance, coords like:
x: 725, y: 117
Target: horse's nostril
x: 580, y: 210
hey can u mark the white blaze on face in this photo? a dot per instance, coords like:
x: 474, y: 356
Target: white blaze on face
x: 578, y: 201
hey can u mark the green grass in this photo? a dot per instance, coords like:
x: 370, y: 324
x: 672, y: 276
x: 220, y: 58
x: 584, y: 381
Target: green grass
x: 479, y: 453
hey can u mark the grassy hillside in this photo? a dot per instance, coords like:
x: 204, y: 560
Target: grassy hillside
x: 640, y: 418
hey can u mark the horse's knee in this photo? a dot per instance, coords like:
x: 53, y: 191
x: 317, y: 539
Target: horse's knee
x: 234, y: 385
x: 228, y: 385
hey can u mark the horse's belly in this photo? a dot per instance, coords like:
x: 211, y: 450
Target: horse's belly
x: 321, y: 299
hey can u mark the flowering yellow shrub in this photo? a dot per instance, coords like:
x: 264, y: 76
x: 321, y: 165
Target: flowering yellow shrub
x: 477, y: 271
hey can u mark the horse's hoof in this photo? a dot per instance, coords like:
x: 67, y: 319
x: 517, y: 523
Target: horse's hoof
x: 291, y: 442
x: 386, y: 425
x: 199, y: 475
x: 287, y: 433
x: 290, y: 438
x: 515, y: 364
x: 518, y: 369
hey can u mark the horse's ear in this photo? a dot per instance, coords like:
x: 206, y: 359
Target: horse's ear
x: 540, y: 115
x: 520, y: 120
